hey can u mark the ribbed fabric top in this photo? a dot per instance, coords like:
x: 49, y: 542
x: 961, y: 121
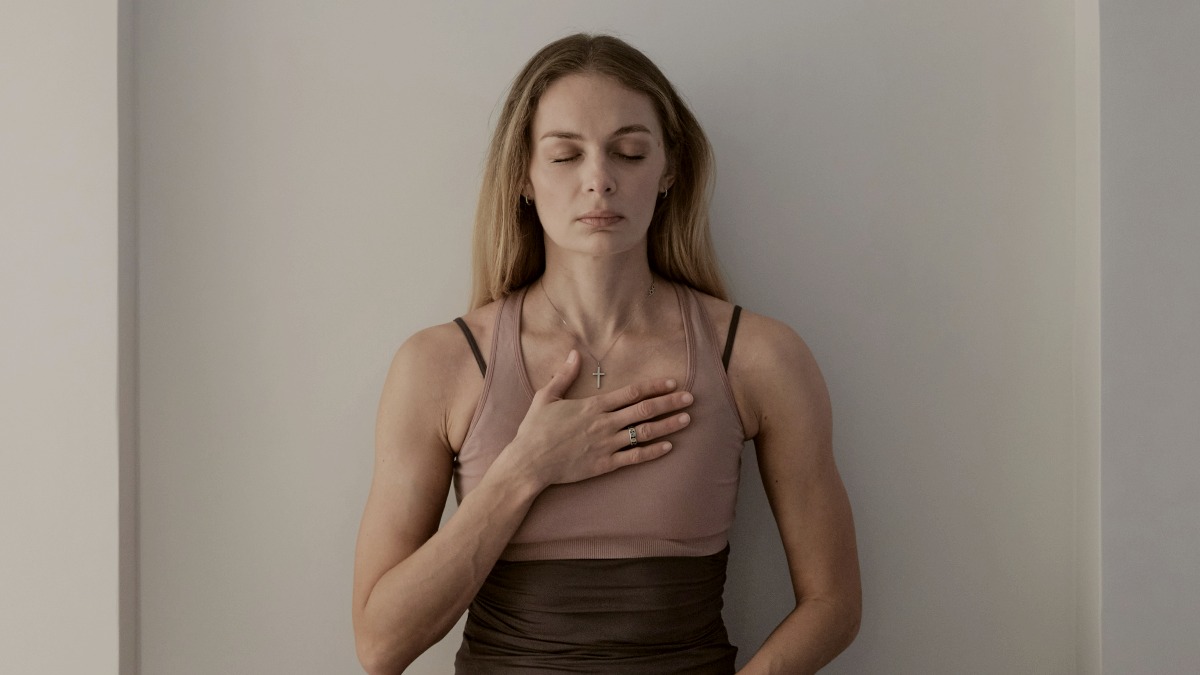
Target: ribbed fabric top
x: 681, y: 504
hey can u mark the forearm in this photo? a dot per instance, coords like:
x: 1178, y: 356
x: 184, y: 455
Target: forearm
x: 815, y: 632
x: 419, y: 600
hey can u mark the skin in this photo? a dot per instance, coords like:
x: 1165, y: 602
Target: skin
x: 413, y: 581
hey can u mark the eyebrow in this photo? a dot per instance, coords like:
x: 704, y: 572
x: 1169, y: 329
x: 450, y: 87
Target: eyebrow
x: 572, y: 136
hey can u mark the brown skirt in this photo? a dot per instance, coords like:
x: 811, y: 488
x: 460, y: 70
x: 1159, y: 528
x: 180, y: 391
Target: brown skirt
x: 630, y: 615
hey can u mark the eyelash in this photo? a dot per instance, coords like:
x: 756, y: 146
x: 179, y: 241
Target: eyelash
x: 628, y: 158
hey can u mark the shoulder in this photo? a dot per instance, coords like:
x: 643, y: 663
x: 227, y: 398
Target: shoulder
x: 771, y: 366
x: 440, y: 348
x: 770, y: 350
x: 760, y: 340
x: 434, y: 376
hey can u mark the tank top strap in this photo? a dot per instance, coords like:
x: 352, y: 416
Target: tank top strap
x: 466, y: 331
x: 502, y: 379
x: 702, y: 346
x: 708, y: 357
x: 508, y: 324
x: 733, y: 324
x: 508, y: 344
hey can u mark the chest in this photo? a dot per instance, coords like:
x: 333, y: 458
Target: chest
x: 636, y: 357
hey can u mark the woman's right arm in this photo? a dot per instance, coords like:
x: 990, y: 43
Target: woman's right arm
x: 412, y: 581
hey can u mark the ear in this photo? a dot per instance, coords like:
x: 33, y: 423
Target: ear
x: 668, y: 177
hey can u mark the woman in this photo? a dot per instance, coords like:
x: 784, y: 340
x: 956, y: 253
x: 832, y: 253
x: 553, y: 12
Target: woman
x: 591, y: 532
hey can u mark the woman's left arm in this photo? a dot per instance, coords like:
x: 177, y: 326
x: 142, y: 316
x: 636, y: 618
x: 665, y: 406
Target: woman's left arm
x: 790, y: 419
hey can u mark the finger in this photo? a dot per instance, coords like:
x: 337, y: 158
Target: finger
x: 557, y: 387
x: 638, y: 455
x: 648, y: 431
x: 631, y: 394
x: 651, y: 408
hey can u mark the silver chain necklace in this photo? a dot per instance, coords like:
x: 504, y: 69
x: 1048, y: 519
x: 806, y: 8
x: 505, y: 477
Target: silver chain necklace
x: 599, y: 373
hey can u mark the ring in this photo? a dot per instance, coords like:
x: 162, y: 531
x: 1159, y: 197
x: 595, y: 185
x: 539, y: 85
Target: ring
x: 632, y: 436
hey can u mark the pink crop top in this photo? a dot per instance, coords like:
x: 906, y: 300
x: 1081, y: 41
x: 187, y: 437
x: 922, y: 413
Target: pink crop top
x: 681, y: 504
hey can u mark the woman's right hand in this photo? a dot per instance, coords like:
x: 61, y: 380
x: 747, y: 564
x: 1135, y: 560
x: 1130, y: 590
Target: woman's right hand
x: 567, y: 440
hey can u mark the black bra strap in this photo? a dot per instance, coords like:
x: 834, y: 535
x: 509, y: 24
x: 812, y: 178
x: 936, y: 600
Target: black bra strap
x: 474, y: 347
x: 737, y: 311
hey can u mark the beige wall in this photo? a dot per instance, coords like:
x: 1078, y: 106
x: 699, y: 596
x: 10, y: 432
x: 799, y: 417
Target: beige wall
x: 1086, y: 368
x: 59, y: 361
x: 1151, y: 506
x: 898, y: 184
x: 913, y: 188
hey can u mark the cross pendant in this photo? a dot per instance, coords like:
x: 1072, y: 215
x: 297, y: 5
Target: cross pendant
x: 599, y: 374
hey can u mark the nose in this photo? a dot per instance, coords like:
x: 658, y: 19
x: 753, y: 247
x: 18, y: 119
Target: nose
x: 599, y: 177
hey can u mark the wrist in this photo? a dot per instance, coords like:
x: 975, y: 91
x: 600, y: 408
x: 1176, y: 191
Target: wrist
x: 515, y: 476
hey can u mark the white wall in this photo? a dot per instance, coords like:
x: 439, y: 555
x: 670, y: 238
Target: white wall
x: 59, y: 360
x: 1151, y: 317
x: 897, y: 181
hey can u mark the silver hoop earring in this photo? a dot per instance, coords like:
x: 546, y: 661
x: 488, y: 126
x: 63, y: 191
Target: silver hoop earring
x: 664, y: 192
x: 527, y: 200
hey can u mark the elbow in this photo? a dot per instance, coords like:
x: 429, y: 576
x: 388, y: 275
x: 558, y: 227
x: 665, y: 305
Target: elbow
x: 850, y: 623
x: 378, y: 657
x: 854, y: 623
x: 388, y: 648
x: 845, y: 611
x: 839, y: 618
x: 372, y: 659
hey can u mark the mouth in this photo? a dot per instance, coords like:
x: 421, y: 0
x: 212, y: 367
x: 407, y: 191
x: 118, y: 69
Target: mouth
x: 600, y: 218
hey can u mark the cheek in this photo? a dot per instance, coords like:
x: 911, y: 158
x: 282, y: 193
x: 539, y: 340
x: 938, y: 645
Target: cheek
x: 649, y: 179
x: 548, y: 181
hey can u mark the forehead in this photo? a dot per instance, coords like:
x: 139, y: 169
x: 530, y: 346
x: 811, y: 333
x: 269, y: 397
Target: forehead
x: 592, y: 105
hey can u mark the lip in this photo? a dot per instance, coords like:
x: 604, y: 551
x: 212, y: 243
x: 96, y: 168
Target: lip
x: 600, y: 217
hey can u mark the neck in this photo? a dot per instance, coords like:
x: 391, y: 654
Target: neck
x: 597, y: 297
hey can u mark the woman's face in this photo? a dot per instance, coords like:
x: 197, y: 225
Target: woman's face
x: 597, y: 165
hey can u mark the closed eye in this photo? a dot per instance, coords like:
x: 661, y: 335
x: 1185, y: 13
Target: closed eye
x: 627, y: 158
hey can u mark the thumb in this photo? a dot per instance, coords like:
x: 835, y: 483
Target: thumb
x: 558, y: 385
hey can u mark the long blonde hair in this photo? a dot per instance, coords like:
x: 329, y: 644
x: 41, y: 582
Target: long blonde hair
x: 509, y: 251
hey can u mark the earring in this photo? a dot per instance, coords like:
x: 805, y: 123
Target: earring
x: 527, y: 200
x: 664, y: 192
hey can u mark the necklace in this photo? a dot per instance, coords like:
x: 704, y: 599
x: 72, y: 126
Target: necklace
x: 599, y: 373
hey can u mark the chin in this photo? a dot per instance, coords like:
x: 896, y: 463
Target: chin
x: 600, y: 243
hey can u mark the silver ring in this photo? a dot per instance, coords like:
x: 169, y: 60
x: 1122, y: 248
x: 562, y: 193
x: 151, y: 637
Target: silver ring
x: 632, y: 436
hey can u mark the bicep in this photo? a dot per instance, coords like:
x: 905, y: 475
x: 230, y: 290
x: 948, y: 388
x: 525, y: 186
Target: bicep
x: 795, y: 457
x: 411, y: 476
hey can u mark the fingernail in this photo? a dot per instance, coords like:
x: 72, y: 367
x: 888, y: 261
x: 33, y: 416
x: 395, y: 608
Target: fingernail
x: 687, y: 398
x: 571, y: 357
x: 685, y: 418
x: 667, y: 446
x: 671, y: 383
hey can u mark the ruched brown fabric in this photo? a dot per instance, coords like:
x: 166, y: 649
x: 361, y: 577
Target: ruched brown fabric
x: 616, y: 616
